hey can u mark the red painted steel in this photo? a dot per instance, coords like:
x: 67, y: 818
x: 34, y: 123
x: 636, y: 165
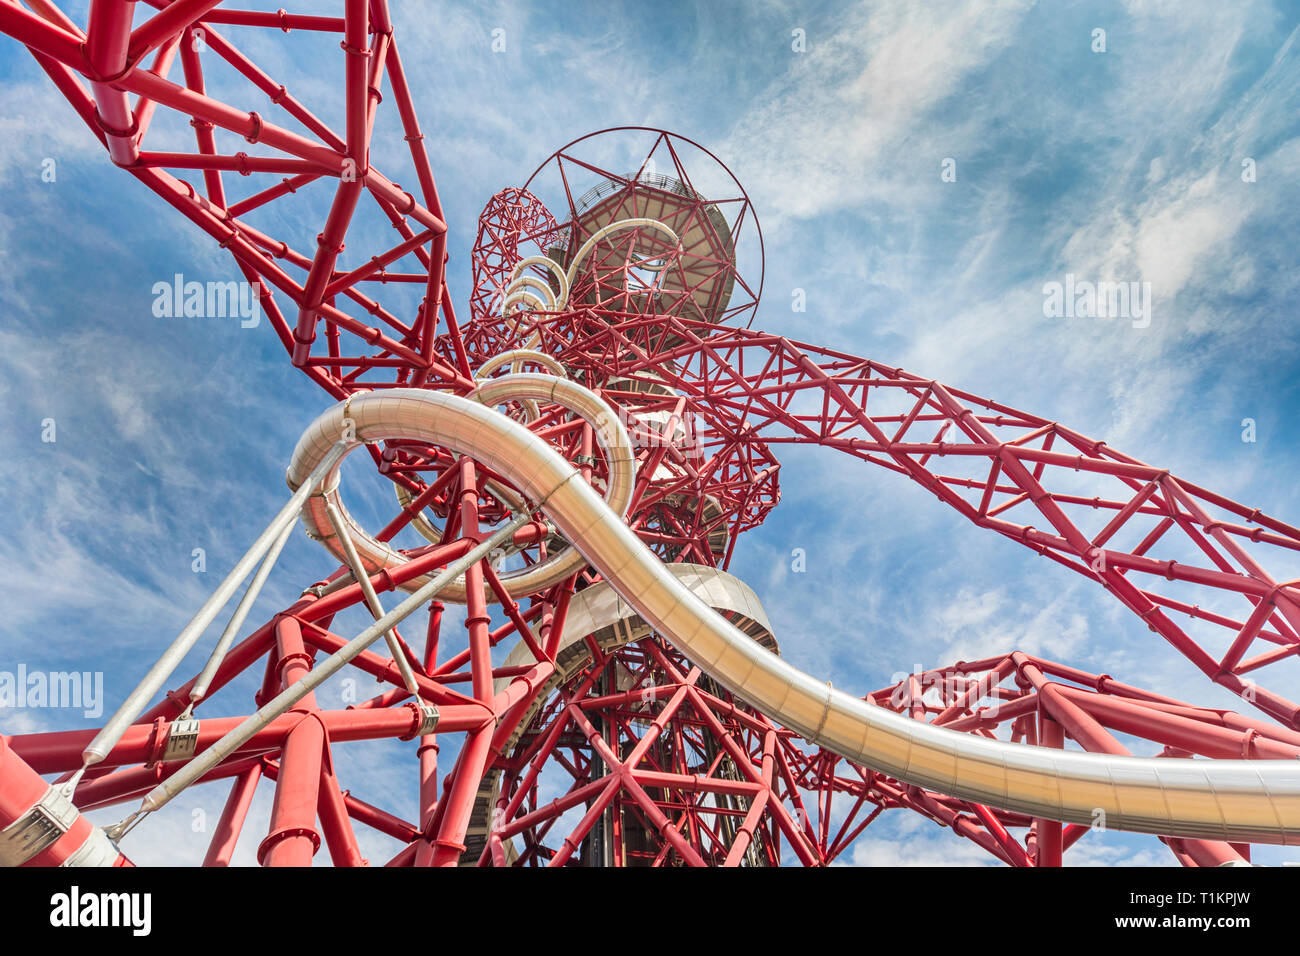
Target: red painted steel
x: 653, y: 764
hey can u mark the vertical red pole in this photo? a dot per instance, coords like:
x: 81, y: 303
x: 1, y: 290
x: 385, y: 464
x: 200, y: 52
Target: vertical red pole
x: 428, y: 751
x: 108, y: 34
x: 293, y: 839
x: 1049, y: 850
x: 448, y: 845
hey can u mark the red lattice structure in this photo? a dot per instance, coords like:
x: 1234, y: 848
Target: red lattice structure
x: 608, y: 747
x: 1048, y: 704
x: 514, y: 225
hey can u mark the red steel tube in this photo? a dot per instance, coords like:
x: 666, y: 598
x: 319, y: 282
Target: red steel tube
x: 293, y: 839
x: 22, y: 789
x: 231, y: 824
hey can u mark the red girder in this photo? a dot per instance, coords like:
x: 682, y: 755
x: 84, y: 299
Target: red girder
x: 667, y: 768
x: 998, y: 459
x: 111, y: 60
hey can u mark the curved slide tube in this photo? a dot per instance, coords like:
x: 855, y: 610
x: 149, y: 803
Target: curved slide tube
x: 603, y: 615
x: 516, y: 358
x: 1233, y: 800
x: 516, y: 291
x: 377, y: 416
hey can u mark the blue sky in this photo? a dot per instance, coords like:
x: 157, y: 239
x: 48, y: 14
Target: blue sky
x: 1126, y: 164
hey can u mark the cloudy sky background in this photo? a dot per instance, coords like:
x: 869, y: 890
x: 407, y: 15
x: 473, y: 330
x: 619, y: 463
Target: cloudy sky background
x: 1125, y: 165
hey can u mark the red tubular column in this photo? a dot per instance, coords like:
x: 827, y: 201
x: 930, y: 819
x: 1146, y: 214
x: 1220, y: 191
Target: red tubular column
x: 428, y: 750
x: 1049, y: 851
x: 459, y: 799
x: 1212, y: 853
x: 39, y: 828
x: 222, y: 847
x: 293, y: 839
x: 108, y: 34
x: 351, y: 181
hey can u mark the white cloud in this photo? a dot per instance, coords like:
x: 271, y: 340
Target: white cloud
x: 835, y: 130
x: 840, y: 152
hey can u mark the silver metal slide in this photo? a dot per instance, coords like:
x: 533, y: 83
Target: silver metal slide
x: 1233, y: 800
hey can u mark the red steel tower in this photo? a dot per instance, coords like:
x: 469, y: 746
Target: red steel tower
x: 575, y: 462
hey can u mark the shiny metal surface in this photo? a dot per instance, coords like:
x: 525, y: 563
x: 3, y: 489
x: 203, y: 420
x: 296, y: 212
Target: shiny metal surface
x: 1235, y: 800
x: 403, y: 413
x: 601, y: 613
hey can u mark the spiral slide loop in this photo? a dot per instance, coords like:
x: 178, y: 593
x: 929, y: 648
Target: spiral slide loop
x: 1233, y: 800
x: 618, y: 226
x: 517, y: 358
x: 516, y: 292
x: 545, y: 262
x: 406, y: 414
